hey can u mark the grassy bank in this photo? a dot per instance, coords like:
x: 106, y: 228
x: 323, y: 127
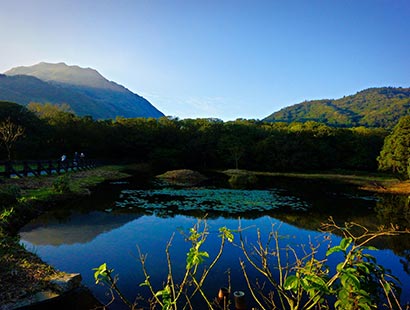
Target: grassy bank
x: 22, y: 273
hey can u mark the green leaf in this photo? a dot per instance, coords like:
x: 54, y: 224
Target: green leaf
x: 226, y: 233
x: 334, y: 249
x: 145, y: 283
x: 350, y: 279
x: 363, y: 267
x: 194, y: 257
x: 343, y: 294
x: 344, y: 244
x: 318, y: 282
x: 387, y: 287
x: 101, y: 273
x: 339, y: 267
x: 370, y: 257
x: 291, y: 283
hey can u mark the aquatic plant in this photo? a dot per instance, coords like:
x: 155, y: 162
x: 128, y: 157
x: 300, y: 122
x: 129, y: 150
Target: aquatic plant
x: 209, y: 200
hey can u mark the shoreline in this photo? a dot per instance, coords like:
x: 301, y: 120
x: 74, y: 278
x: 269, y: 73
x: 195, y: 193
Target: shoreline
x: 26, y: 279
x: 372, y: 182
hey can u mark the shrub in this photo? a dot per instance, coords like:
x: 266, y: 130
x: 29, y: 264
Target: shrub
x: 9, y: 195
x: 62, y: 184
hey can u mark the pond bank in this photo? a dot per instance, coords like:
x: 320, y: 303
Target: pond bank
x: 373, y: 182
x: 23, y: 274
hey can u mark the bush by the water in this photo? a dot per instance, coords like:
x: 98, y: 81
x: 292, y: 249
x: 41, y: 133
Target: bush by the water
x: 62, y: 184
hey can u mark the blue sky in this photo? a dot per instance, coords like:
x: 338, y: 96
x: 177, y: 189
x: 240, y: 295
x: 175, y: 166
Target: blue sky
x: 225, y: 59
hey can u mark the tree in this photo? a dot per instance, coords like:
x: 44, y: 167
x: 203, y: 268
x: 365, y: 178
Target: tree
x: 395, y: 153
x: 49, y: 110
x: 9, y: 134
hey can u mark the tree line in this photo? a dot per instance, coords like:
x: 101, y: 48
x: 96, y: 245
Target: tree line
x: 171, y: 143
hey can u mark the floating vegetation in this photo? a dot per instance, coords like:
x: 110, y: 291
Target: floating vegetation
x: 209, y: 200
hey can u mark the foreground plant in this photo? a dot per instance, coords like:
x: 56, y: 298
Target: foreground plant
x: 302, y: 279
x: 175, y: 295
x: 293, y: 277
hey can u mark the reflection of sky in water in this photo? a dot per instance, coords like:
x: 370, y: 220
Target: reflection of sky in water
x: 117, y: 247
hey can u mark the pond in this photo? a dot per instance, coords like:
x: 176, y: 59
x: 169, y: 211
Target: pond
x: 119, y: 218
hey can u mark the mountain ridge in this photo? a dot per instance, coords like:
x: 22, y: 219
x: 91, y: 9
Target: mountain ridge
x: 84, y: 89
x: 372, y: 107
x: 61, y: 73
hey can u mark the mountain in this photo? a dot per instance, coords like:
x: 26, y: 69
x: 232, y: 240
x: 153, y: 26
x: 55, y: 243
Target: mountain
x: 84, y: 89
x: 373, y: 107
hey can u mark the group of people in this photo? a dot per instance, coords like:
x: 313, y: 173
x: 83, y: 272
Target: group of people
x: 77, y: 158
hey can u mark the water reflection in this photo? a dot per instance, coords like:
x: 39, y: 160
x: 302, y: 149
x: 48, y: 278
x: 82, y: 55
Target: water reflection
x: 394, y: 209
x: 77, y: 228
x: 85, y: 235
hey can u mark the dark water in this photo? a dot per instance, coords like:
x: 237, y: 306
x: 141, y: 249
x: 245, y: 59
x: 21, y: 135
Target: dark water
x: 110, y: 224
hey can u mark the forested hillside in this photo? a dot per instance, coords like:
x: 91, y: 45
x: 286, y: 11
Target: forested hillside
x: 166, y: 143
x: 373, y: 107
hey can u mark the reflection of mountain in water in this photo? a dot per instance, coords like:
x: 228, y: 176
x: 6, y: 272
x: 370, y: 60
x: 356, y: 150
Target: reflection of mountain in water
x: 81, y: 228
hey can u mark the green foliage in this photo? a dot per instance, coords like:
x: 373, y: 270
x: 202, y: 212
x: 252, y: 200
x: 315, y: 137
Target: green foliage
x: 9, y: 195
x: 166, y: 143
x: 306, y: 282
x: 62, y: 183
x: 395, y: 154
x: 5, y: 216
x: 169, y: 297
x: 166, y: 297
x: 359, y: 277
x: 48, y: 110
x: 194, y: 256
x: 373, y: 107
x: 102, y: 274
x: 226, y: 233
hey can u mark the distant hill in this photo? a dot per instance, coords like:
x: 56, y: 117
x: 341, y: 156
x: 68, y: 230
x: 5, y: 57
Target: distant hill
x: 84, y: 89
x: 373, y: 107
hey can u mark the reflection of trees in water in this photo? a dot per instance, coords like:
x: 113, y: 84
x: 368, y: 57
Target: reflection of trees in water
x: 394, y: 209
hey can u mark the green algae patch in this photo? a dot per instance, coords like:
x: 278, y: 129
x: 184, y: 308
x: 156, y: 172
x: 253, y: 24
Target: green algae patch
x: 209, y: 200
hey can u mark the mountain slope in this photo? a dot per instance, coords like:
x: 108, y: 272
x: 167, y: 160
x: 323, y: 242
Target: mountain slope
x: 24, y: 89
x: 85, y: 90
x: 373, y: 107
